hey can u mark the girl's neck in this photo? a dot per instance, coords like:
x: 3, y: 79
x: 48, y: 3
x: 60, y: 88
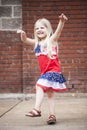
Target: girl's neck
x: 42, y: 41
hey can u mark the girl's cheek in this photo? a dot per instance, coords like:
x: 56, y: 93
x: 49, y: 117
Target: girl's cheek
x: 36, y: 32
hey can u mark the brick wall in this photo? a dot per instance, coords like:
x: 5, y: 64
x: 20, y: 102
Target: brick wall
x: 10, y: 46
x: 10, y: 63
x: 73, y: 41
x: 19, y: 62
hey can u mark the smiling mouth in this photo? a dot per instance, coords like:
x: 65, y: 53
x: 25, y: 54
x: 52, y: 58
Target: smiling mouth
x: 40, y: 33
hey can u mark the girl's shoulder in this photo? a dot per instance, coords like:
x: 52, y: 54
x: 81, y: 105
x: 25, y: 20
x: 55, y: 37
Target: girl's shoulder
x: 53, y: 42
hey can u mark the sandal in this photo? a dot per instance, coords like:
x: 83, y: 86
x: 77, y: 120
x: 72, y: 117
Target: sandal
x: 51, y: 120
x: 34, y: 113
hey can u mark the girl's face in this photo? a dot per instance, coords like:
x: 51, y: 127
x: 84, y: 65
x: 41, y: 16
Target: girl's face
x: 40, y: 31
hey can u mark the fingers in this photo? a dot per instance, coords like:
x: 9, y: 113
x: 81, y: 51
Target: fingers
x: 22, y: 34
x: 20, y: 31
x: 63, y: 17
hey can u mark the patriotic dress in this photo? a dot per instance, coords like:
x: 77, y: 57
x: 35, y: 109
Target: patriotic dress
x: 51, y: 76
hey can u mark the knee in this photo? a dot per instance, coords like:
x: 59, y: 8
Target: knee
x: 50, y: 94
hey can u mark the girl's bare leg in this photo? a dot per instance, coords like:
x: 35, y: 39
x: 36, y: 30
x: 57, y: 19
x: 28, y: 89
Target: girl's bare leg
x: 52, y: 118
x: 39, y: 98
x: 50, y: 95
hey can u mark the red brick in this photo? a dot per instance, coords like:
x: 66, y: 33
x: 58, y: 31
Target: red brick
x: 73, y: 38
x: 19, y: 69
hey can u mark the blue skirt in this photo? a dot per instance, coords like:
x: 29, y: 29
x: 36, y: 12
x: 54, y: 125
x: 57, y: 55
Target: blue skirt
x: 52, y: 80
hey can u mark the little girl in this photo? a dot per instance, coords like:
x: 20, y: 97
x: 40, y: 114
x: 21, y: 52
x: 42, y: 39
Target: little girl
x: 46, y: 49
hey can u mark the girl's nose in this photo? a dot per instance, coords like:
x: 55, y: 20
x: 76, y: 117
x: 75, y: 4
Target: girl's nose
x: 39, y: 29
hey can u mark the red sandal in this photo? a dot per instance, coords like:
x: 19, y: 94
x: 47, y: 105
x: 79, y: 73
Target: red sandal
x: 51, y: 120
x: 34, y: 113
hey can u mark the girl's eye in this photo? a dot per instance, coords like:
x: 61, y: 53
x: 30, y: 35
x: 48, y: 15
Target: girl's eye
x: 39, y: 28
x: 42, y: 27
x: 36, y: 28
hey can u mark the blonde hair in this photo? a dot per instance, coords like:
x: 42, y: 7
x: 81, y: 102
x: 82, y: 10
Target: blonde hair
x: 47, y: 24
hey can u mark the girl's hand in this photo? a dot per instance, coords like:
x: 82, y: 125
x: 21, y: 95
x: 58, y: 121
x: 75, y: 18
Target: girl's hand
x: 19, y: 31
x: 63, y: 17
x: 24, y: 38
x: 23, y: 35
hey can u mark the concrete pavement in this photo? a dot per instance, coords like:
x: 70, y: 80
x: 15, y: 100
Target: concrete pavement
x: 71, y: 113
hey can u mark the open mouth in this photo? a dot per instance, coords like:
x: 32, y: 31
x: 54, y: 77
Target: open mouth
x: 40, y: 33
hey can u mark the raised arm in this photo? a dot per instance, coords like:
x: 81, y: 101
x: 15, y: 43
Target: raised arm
x: 60, y: 26
x: 26, y: 40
